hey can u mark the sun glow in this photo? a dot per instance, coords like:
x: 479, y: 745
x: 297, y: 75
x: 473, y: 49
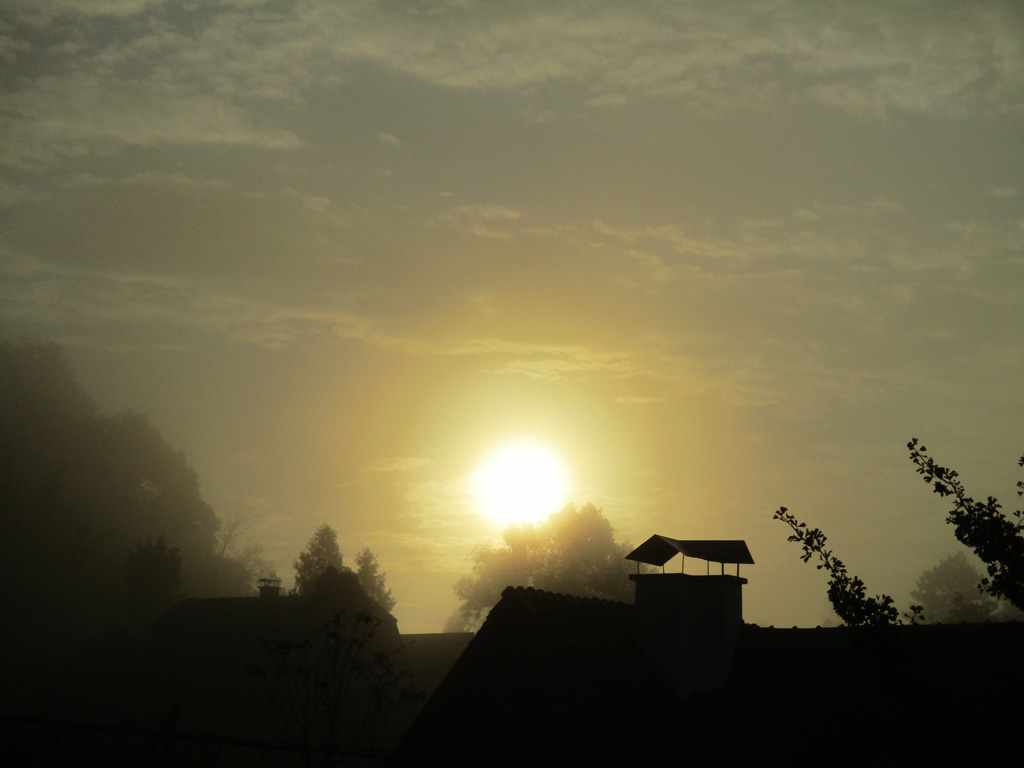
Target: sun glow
x: 520, y: 483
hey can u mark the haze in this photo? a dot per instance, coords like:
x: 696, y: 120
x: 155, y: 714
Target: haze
x: 716, y: 259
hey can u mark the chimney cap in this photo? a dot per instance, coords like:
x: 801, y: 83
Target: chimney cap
x: 658, y: 550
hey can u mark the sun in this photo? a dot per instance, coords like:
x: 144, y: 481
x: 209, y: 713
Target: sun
x: 520, y: 483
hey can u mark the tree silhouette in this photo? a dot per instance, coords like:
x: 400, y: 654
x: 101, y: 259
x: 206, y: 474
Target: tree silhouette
x: 982, y: 526
x: 322, y: 551
x: 847, y: 593
x: 573, y: 552
x: 372, y: 579
x: 79, y: 489
x: 337, y: 692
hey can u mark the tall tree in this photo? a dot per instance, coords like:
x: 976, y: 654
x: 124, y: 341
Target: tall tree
x: 373, y: 579
x: 78, y: 489
x: 322, y: 551
x: 573, y: 552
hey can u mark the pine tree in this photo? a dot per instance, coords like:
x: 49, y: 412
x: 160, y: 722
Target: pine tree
x: 372, y: 579
x: 322, y: 551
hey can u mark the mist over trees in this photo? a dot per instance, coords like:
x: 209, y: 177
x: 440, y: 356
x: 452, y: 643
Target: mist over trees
x: 90, y: 503
x: 950, y: 592
x: 103, y: 533
x: 573, y: 552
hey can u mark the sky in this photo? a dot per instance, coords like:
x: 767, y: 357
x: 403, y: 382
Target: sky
x: 719, y: 258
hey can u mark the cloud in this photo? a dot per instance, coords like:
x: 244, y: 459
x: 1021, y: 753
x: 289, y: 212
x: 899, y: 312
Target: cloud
x: 489, y: 212
x: 869, y: 58
x: 168, y: 180
x: 850, y: 237
x: 15, y: 194
x: 542, y: 359
x: 50, y: 9
x: 147, y: 73
x: 483, y: 220
x: 484, y: 303
x: 639, y: 400
x: 134, y: 304
x: 133, y: 77
x: 1003, y: 192
x: 81, y: 113
x: 398, y: 464
x: 439, y: 524
x: 389, y: 140
x: 541, y: 116
x: 571, y: 363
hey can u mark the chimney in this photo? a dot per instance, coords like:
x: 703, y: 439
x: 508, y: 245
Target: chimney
x: 688, y: 625
x: 270, y: 588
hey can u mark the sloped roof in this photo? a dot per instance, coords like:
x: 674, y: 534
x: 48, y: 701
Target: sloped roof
x: 560, y: 680
x: 658, y: 550
x: 547, y: 675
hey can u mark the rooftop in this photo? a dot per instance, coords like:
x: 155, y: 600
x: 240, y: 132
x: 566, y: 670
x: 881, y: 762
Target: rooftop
x: 562, y: 677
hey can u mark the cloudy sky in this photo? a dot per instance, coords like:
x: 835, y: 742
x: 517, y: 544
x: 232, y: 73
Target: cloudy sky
x: 719, y: 257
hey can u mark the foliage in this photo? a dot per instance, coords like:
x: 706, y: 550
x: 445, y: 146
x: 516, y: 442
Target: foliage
x: 847, y: 594
x: 78, y: 489
x: 152, y: 574
x: 322, y: 552
x: 950, y: 592
x: 573, y: 552
x: 337, y: 693
x: 373, y: 579
x: 982, y: 526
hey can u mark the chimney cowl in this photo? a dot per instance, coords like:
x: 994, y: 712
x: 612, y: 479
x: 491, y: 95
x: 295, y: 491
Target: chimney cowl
x: 269, y: 588
x: 658, y: 550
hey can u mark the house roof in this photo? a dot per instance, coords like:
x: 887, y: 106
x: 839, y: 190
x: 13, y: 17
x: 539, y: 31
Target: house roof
x: 539, y: 663
x: 560, y: 679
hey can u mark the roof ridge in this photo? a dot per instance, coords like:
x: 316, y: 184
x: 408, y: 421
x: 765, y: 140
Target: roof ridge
x: 558, y: 596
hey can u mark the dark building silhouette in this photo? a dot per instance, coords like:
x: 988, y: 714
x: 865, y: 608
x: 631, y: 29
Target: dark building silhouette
x: 558, y: 680
x: 198, y: 686
x: 201, y: 649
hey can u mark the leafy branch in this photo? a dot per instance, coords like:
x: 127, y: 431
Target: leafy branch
x: 847, y: 593
x: 982, y: 526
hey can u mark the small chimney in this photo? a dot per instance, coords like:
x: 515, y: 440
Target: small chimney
x: 270, y: 588
x: 688, y: 625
